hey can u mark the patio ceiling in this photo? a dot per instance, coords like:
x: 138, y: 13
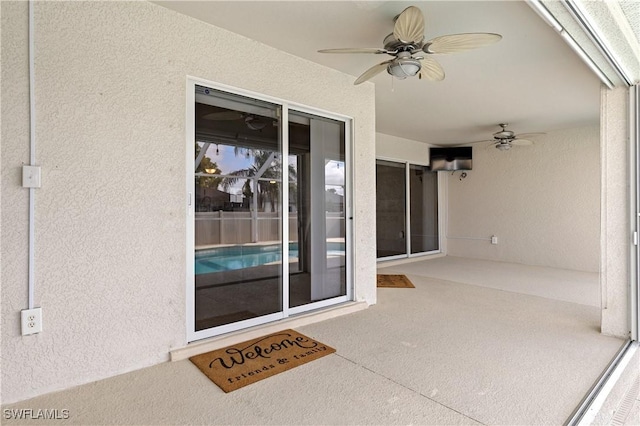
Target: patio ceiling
x: 531, y: 79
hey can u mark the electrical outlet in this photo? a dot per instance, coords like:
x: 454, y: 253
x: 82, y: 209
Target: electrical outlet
x: 494, y: 239
x: 31, y: 321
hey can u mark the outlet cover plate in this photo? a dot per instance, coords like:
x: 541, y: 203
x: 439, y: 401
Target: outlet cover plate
x: 31, y: 321
x: 31, y: 176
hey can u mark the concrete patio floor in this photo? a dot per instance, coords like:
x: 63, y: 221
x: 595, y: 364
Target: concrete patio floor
x: 446, y: 352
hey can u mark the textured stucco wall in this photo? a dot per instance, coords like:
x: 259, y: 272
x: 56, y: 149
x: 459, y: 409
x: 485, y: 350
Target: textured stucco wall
x: 541, y: 201
x: 110, y: 216
x: 401, y: 149
x: 615, y: 225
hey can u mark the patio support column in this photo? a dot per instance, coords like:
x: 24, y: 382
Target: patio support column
x: 616, y: 232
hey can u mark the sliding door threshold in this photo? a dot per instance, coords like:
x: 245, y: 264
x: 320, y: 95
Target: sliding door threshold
x: 217, y: 342
x: 604, y: 397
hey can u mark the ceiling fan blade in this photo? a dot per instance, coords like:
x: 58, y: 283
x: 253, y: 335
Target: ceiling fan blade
x: 355, y: 50
x: 223, y: 116
x: 409, y: 26
x: 371, y: 72
x: 460, y: 42
x: 431, y: 70
x: 528, y: 135
x: 482, y: 141
x: 521, y: 142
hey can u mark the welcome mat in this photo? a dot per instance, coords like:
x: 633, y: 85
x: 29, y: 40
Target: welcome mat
x: 394, y: 281
x: 240, y: 365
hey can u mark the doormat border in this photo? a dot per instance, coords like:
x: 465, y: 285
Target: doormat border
x: 242, y: 364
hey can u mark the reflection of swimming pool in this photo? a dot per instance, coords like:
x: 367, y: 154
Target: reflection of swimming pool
x: 240, y: 257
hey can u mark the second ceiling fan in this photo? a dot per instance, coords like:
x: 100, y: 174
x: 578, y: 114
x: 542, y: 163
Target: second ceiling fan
x: 505, y: 139
x: 406, y: 44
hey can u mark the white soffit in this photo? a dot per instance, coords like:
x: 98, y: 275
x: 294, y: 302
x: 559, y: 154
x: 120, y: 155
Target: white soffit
x: 618, y: 26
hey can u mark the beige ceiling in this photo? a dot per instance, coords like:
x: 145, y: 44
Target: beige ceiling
x: 531, y: 79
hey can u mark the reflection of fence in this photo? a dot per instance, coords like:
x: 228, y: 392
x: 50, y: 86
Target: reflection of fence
x: 236, y: 227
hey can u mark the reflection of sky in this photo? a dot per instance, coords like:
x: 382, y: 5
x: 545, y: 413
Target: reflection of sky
x: 334, y: 176
x: 228, y: 162
x: 334, y: 173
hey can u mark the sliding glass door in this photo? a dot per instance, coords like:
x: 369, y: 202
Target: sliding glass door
x: 423, y: 210
x: 406, y: 210
x: 391, y: 203
x: 317, y: 222
x: 238, y: 186
x: 269, y: 212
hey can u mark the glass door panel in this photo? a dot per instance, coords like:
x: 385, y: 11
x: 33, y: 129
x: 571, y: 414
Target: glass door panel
x: 390, y: 209
x: 317, y: 222
x: 238, y: 187
x: 423, y: 190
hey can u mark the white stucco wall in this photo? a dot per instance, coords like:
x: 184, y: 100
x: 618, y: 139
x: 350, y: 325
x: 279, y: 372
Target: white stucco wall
x: 541, y: 201
x: 111, y: 213
x: 615, y: 225
x: 401, y: 149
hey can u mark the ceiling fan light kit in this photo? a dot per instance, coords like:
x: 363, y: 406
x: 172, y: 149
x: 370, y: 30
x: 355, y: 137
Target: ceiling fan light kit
x: 404, y: 67
x: 407, y: 40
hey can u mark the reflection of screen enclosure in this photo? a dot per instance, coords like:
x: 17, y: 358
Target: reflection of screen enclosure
x: 317, y: 208
x: 239, y: 174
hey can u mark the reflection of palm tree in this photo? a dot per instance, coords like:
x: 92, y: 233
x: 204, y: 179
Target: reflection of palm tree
x: 208, y: 167
x: 268, y: 190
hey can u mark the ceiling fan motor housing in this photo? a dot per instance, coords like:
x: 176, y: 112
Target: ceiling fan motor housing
x: 393, y: 44
x: 504, y: 134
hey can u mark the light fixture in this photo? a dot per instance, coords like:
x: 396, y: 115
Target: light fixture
x: 210, y: 171
x: 272, y: 182
x: 503, y: 146
x: 404, y: 66
x: 254, y: 123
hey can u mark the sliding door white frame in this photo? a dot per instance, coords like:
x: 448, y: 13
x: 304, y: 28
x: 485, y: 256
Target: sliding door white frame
x: 439, y: 198
x: 193, y: 335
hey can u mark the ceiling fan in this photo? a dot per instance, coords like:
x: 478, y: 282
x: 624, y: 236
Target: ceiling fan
x: 253, y: 122
x: 406, y: 44
x: 505, y: 139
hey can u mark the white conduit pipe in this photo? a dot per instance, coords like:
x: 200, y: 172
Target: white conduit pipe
x: 32, y: 156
